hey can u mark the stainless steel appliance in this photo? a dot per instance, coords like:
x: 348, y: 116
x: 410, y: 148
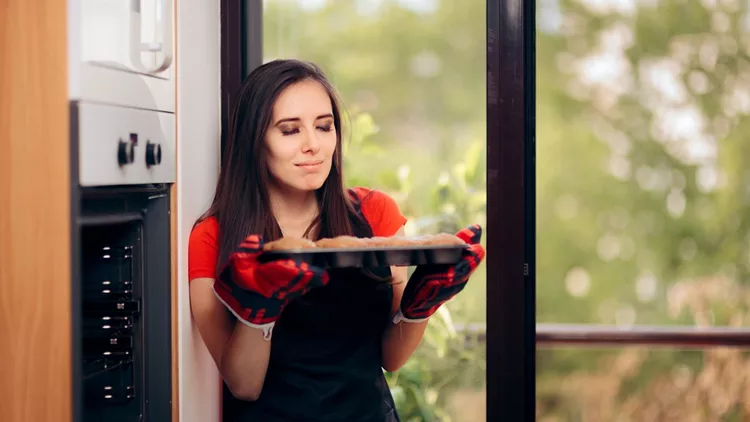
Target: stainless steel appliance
x: 124, y: 164
x: 121, y: 91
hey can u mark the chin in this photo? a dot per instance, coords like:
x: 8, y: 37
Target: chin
x: 312, y: 182
x: 314, y: 185
x: 305, y: 185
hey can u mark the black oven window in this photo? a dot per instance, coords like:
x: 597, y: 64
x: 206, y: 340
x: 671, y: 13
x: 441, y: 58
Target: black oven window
x: 111, y: 288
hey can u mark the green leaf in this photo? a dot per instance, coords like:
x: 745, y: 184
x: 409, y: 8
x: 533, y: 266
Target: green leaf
x: 363, y: 127
x: 389, y: 179
x: 472, y: 158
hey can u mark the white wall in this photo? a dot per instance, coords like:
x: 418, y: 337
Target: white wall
x: 198, y: 127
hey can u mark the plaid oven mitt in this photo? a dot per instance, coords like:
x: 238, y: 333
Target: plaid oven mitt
x: 432, y: 285
x: 257, y: 292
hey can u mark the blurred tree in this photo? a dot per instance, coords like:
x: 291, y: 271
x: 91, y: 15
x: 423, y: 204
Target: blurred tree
x: 412, y: 80
x: 411, y: 74
x: 642, y: 175
x: 641, y: 156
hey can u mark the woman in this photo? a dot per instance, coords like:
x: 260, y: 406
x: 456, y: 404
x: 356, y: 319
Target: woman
x: 311, y: 344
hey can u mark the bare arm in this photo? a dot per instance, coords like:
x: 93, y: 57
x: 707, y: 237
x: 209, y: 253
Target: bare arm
x: 240, y: 352
x: 400, y: 340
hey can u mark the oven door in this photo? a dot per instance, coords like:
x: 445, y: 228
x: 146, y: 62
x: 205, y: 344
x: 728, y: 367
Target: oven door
x: 122, y: 291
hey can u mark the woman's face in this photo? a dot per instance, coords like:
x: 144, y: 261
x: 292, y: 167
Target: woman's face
x: 301, y: 138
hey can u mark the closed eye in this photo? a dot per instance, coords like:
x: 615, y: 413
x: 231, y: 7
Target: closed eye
x: 296, y: 130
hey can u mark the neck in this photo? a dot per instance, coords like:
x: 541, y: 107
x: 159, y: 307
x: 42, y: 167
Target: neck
x: 293, y: 210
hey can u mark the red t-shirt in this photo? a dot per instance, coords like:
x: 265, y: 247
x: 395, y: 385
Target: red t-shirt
x: 380, y: 210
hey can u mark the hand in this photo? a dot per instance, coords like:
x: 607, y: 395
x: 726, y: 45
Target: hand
x: 432, y: 285
x: 256, y: 293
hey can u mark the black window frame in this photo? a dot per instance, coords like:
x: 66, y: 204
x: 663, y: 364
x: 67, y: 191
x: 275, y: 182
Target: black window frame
x: 510, y: 228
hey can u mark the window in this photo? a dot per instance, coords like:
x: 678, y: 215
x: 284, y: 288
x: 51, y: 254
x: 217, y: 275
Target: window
x: 412, y: 78
x: 642, y: 207
x: 419, y: 79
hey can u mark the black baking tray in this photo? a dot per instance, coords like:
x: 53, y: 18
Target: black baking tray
x: 373, y: 257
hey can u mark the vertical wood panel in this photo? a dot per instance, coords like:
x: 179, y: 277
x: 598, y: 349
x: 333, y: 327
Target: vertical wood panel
x: 35, y: 262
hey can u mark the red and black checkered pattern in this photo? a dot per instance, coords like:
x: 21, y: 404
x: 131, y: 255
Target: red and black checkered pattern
x: 432, y: 285
x: 257, y: 292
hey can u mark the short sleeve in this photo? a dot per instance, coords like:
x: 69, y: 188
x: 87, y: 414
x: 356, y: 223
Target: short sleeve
x: 381, y: 211
x: 203, y: 249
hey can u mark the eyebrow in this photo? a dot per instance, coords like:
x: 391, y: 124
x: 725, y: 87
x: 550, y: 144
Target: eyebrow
x: 297, y: 119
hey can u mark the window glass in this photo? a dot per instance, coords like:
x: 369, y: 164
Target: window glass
x: 411, y: 74
x: 641, y: 384
x: 643, y: 158
x: 642, y: 195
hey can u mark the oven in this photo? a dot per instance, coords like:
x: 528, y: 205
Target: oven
x: 123, y: 159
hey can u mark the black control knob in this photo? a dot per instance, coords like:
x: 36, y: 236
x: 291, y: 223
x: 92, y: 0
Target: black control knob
x: 125, y: 153
x: 153, y: 154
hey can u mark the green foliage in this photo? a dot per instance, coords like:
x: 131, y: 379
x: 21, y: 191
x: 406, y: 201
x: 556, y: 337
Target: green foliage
x: 412, y: 84
x: 641, y: 176
x: 445, y: 361
x: 634, y: 199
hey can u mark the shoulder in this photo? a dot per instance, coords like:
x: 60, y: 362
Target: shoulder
x: 205, y: 230
x: 203, y: 249
x: 381, y: 211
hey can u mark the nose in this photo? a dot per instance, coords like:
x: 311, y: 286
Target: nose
x: 310, y: 142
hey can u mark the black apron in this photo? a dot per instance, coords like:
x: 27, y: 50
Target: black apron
x: 325, y: 362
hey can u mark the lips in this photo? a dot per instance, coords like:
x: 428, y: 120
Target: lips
x: 310, y: 165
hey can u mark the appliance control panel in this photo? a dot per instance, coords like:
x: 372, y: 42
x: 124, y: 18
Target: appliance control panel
x: 124, y: 146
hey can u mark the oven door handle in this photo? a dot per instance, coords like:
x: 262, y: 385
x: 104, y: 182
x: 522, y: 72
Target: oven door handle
x: 137, y: 46
x: 106, y: 219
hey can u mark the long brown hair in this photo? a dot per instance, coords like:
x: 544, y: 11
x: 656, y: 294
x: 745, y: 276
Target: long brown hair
x: 241, y: 202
